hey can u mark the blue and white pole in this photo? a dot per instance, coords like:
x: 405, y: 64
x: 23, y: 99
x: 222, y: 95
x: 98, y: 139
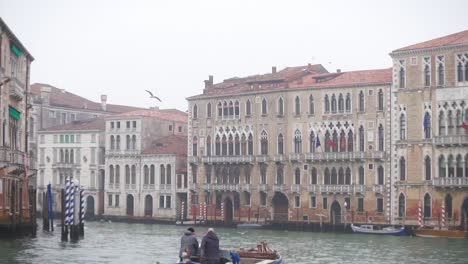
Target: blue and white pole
x: 67, y: 201
x: 72, y: 204
x: 82, y: 205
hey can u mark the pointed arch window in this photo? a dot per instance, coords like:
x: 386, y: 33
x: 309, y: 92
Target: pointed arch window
x: 225, y: 110
x: 297, y: 104
x: 117, y: 174
x: 326, y: 178
x: 168, y: 174
x: 194, y: 146
x: 230, y: 145
x: 297, y: 141
x: 311, y: 105
x: 361, y: 101
x: 217, y: 146
x: 208, y: 146
x: 334, y: 176
x: 313, y: 175
x: 341, y: 179
x: 243, y: 145
x: 280, y: 107
x: 162, y: 174
x: 442, y: 167
x: 327, y: 104
x: 312, y: 142
x: 381, y: 138
x: 231, y: 109
x: 427, y: 206
x: 427, y: 76
x: 208, y: 110
x: 335, y: 141
x: 402, y: 76
x: 326, y: 141
x: 342, y: 141
x: 381, y: 100
x: 111, y: 174
x: 380, y: 176
x: 341, y: 103
x: 264, y: 106
x: 442, y: 124
x: 361, y: 175
x: 348, y: 176
x: 297, y: 176
x: 248, y: 108
x: 195, y: 112
x: 133, y: 174
x: 152, y: 174
x: 250, y: 144
x: 224, y: 147
x: 280, y: 174
x: 401, y: 205
x: 236, y: 145
x: 427, y: 168
x: 333, y: 103
x: 145, y: 175
x: 460, y: 164
x: 236, y: 109
x: 264, y: 143
x: 348, y: 103
x: 402, y: 169
x: 361, y: 138
x: 427, y: 125
x: 460, y: 72
x: 350, y: 141
x: 127, y: 174
x: 220, y: 110
x: 280, y: 144
x: 441, y: 74
x: 451, y: 166
x: 402, y: 127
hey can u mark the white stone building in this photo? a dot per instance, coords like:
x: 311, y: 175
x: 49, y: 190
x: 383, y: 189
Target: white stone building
x: 145, y: 162
x: 72, y: 150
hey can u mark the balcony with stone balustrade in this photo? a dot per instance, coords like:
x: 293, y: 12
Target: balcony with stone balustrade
x: 451, y: 140
x: 451, y: 182
x: 242, y: 159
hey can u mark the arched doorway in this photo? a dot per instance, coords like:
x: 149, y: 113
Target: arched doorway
x: 228, y: 209
x: 464, y: 214
x: 89, y: 206
x: 280, y: 205
x: 130, y: 204
x: 335, y: 213
x: 148, y: 205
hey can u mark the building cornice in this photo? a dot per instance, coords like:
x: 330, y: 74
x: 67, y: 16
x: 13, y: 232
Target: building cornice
x: 202, y: 97
x: 404, y: 53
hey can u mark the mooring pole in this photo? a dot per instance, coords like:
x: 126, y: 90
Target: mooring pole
x: 64, y: 231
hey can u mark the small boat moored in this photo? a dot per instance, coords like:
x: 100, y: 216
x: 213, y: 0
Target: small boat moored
x: 249, y: 226
x: 426, y: 232
x: 371, y: 229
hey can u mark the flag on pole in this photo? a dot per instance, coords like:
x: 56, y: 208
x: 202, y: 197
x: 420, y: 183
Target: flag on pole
x: 426, y: 122
x: 317, y: 142
x: 463, y: 122
x: 331, y: 143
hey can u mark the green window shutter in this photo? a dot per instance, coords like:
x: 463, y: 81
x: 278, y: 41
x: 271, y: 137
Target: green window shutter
x: 14, y: 113
x: 16, y: 50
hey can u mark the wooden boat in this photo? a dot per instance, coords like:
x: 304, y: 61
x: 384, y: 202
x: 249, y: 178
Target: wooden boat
x: 371, y: 229
x: 426, y: 232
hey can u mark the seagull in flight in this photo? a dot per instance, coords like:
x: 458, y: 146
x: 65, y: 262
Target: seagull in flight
x: 153, y: 96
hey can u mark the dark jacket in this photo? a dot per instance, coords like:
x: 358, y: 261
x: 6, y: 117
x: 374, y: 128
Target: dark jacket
x: 190, y: 242
x: 210, y: 246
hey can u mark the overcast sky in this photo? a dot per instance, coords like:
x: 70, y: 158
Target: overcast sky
x: 121, y: 48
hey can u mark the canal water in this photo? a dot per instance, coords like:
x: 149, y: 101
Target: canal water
x: 110, y: 242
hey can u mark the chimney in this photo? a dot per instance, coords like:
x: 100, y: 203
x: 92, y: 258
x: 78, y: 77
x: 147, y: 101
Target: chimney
x: 103, y: 102
x: 273, y: 69
x: 208, y: 83
x: 45, y: 95
x: 338, y: 70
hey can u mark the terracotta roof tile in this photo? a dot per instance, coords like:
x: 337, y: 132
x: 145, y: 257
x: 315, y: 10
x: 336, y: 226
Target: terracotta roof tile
x: 81, y: 125
x: 174, y: 144
x: 62, y: 98
x: 449, y: 40
x: 365, y: 77
x: 163, y: 114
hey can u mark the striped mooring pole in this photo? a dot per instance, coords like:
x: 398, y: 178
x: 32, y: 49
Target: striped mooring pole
x: 420, y: 215
x: 222, y: 211
x: 82, y: 211
x: 443, y: 214
x: 67, y: 201
x: 204, y: 211
x: 182, y: 212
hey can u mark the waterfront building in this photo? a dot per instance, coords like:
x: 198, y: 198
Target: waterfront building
x: 145, y: 164
x: 52, y: 107
x: 73, y: 150
x: 17, y: 180
x: 430, y: 132
x: 301, y: 144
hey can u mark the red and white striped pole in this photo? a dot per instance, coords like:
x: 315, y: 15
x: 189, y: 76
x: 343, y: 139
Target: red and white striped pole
x: 420, y: 215
x: 443, y: 214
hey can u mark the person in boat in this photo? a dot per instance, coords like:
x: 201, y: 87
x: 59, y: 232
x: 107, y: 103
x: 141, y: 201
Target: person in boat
x: 209, y: 250
x: 189, y: 245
